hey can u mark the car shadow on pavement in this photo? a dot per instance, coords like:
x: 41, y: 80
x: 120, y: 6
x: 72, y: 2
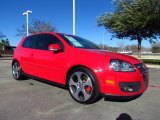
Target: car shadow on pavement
x: 106, y: 98
x: 121, y: 99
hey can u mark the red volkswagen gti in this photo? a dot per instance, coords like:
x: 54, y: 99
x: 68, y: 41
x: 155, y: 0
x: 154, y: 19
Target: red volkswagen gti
x: 80, y: 65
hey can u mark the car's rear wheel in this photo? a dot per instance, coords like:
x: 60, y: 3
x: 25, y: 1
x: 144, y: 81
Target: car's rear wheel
x: 17, y: 72
x: 83, y: 86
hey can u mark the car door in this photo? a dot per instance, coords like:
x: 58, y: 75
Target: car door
x: 27, y: 55
x: 48, y: 64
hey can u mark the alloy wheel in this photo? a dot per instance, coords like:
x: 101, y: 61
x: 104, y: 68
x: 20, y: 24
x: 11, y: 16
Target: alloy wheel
x: 80, y: 85
x: 16, y: 70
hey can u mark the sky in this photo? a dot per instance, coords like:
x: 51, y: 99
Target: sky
x: 59, y: 13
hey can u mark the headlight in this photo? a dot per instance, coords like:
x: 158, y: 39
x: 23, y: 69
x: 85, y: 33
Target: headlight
x: 121, y: 66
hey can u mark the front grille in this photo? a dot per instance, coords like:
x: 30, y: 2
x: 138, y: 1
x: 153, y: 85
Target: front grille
x: 142, y: 68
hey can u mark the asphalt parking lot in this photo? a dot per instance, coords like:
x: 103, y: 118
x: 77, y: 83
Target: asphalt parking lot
x: 34, y: 100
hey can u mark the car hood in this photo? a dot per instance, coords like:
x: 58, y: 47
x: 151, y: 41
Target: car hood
x: 114, y: 55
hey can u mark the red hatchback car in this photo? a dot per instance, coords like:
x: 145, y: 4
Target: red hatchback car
x: 80, y: 65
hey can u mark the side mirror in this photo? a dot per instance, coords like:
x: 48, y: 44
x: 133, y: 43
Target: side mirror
x: 54, y: 47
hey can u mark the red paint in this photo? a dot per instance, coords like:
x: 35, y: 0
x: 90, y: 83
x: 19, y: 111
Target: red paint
x: 54, y: 67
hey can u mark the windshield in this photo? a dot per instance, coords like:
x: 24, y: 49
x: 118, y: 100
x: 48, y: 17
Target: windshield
x: 79, y: 42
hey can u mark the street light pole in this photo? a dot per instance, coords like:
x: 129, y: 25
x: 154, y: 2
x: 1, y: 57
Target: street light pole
x: 74, y: 19
x: 26, y: 14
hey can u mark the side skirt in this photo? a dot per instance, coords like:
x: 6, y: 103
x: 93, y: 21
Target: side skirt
x: 47, y: 81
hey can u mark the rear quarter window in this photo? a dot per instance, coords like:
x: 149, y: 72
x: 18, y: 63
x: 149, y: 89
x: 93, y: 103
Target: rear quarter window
x: 29, y: 42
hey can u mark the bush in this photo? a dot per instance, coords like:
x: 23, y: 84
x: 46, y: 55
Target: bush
x: 151, y: 61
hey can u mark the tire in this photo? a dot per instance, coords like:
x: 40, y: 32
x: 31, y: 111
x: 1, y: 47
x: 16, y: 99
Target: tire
x: 17, y: 72
x: 83, y: 86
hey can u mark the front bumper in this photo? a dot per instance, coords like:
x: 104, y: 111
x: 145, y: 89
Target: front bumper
x: 125, y: 83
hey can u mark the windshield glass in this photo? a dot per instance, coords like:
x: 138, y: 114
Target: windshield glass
x: 79, y: 42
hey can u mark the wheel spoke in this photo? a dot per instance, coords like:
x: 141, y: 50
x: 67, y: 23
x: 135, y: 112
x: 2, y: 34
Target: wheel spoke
x: 87, y: 82
x: 15, y: 74
x: 86, y: 95
x: 13, y: 69
x: 76, y: 94
x: 78, y: 74
x: 72, y: 83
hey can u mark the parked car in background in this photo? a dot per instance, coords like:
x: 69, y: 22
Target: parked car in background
x: 80, y: 65
x: 7, y: 49
x: 125, y: 52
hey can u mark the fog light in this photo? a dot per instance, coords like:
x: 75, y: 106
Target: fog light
x: 130, y: 86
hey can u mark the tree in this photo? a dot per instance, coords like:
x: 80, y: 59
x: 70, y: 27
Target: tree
x: 156, y: 47
x: 120, y: 46
x: 133, y: 48
x: 101, y: 46
x: 3, y: 40
x: 36, y: 26
x: 134, y: 19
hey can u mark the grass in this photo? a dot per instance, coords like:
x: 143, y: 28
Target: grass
x: 151, y: 61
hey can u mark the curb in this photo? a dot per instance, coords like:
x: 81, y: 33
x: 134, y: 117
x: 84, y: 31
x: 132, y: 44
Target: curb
x: 153, y: 66
x: 5, y: 58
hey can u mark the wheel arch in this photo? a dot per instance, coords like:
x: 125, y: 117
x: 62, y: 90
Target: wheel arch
x: 14, y: 60
x: 75, y: 67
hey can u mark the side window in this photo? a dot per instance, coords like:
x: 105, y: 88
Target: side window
x: 44, y: 40
x: 29, y: 42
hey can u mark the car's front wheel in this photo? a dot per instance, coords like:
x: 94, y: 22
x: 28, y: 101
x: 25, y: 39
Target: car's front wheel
x: 83, y: 86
